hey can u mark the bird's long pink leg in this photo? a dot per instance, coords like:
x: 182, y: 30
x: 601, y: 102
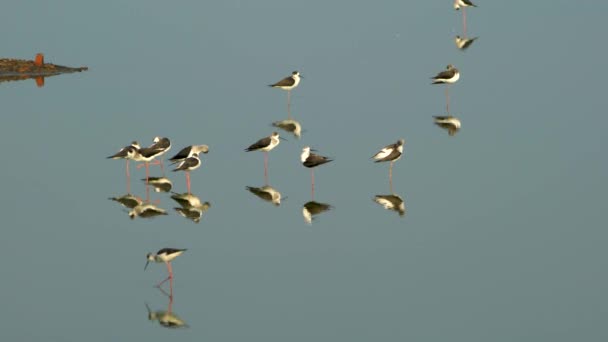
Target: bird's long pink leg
x: 464, y: 22
x: 147, y: 171
x: 390, y: 175
x: 312, y: 184
x: 128, y: 178
x: 289, y: 104
x: 147, y: 193
x: 170, y: 307
x: 266, y: 167
x: 447, y: 98
x: 170, y: 277
x: 188, y: 181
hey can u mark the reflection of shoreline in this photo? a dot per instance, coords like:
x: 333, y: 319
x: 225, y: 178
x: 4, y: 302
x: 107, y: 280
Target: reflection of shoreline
x: 20, y: 69
x: 391, y: 202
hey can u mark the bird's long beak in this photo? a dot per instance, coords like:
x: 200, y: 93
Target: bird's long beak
x: 147, y: 262
x: 312, y: 149
x: 283, y: 139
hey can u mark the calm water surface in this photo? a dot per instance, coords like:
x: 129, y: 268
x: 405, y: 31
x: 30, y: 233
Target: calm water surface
x: 502, y: 236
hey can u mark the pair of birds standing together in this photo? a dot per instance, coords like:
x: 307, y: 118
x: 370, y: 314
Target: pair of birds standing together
x: 186, y: 159
x: 308, y: 158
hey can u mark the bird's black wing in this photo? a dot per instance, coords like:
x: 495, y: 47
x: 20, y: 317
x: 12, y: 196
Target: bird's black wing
x: 182, y: 154
x: 170, y: 250
x: 259, y: 144
x: 286, y: 82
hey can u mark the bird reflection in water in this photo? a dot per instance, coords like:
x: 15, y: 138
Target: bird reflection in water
x: 464, y: 43
x: 312, y: 209
x: 290, y: 126
x: 191, y: 206
x: 392, y: 202
x: 267, y: 193
x: 160, y: 184
x: 449, y: 123
x: 127, y: 200
x: 146, y: 210
x: 166, y: 318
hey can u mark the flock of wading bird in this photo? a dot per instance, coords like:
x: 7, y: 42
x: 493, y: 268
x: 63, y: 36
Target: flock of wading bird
x: 188, y: 159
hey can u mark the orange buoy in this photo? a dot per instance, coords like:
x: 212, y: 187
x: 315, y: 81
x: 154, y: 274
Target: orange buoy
x: 39, y: 61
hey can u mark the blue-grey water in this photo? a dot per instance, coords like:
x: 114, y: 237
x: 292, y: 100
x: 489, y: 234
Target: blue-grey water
x: 502, y: 238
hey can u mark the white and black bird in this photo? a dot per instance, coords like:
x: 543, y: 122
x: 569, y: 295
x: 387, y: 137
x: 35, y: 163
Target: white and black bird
x: 265, y: 145
x: 165, y: 255
x: 187, y: 165
x: 187, y: 152
x: 312, y: 160
x: 128, y: 152
x: 289, y: 125
x: 463, y: 4
x: 390, y: 153
x: 162, y: 144
x: 146, y: 210
x: 450, y: 123
x: 464, y: 43
x: 288, y: 83
x: 449, y: 76
x: 148, y: 154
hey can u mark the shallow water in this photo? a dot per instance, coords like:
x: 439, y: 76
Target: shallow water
x: 501, y: 237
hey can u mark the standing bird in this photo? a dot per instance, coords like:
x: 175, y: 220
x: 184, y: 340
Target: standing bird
x: 464, y: 4
x: 188, y: 164
x: 165, y: 255
x: 163, y: 145
x: 147, y: 154
x: 312, y: 160
x: 390, y: 153
x: 450, y: 123
x: 288, y: 83
x: 265, y: 145
x: 127, y: 152
x: 447, y: 77
x: 187, y: 152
